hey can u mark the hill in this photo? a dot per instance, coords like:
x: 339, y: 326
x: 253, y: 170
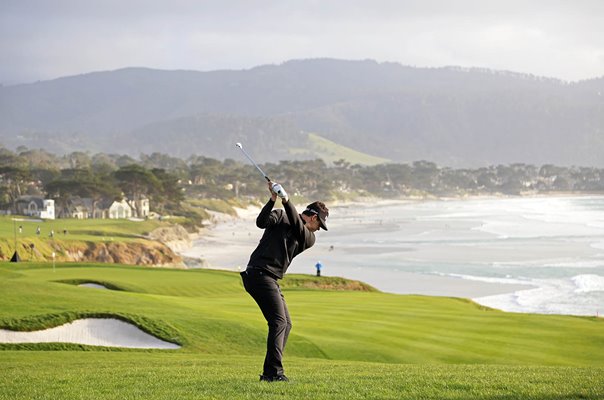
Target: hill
x: 452, y: 116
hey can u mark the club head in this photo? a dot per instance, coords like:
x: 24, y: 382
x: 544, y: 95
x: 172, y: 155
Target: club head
x: 239, y: 145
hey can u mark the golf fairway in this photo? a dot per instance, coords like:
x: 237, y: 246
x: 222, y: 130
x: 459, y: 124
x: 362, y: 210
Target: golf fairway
x: 344, y: 344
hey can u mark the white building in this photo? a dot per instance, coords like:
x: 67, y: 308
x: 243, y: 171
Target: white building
x: 34, y: 206
x: 140, y: 208
x: 120, y: 209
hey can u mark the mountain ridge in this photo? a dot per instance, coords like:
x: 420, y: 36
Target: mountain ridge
x: 451, y: 115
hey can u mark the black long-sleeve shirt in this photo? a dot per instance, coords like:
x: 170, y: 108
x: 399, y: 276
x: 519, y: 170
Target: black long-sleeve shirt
x: 285, y: 236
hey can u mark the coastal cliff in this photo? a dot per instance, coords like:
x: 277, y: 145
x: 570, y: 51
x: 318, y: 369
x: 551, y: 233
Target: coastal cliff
x: 131, y: 253
x: 158, y: 248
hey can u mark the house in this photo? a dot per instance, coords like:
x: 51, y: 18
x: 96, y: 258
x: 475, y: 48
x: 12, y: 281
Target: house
x: 75, y: 208
x: 140, y: 207
x: 84, y: 208
x: 35, y: 206
x: 119, y: 209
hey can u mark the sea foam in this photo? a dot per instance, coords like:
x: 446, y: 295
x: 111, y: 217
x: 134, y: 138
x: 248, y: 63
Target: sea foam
x: 588, y: 283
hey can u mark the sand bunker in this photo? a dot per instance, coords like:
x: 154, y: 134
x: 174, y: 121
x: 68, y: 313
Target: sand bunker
x: 93, y: 285
x: 91, y: 331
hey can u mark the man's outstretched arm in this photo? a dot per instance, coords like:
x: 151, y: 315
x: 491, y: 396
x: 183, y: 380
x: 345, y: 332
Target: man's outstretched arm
x: 266, y: 218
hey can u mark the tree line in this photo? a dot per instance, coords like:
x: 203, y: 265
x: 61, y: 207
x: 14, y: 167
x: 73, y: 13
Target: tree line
x: 171, y: 182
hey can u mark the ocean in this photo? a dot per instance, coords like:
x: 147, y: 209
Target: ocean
x: 547, y: 251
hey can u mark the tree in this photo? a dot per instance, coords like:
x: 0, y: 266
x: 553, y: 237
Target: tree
x: 10, y: 159
x: 136, y: 182
x: 103, y: 164
x: 81, y: 183
x: 78, y: 160
x: 97, y: 188
x: 162, y: 161
x: 12, y: 179
x: 62, y: 191
x: 424, y: 174
x: 169, y: 191
x: 40, y: 159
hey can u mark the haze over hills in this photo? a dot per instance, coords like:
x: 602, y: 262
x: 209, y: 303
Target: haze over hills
x: 452, y: 116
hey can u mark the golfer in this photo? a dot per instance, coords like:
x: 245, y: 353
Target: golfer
x: 286, y: 234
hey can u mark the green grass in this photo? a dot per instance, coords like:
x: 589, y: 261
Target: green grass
x: 219, y: 205
x: 329, y: 151
x: 78, y: 229
x: 79, y: 234
x: 28, y: 375
x: 308, y: 282
x: 344, y: 344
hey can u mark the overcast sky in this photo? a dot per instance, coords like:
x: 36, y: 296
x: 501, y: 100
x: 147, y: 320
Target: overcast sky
x: 45, y: 39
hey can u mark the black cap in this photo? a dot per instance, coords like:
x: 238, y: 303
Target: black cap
x: 318, y: 208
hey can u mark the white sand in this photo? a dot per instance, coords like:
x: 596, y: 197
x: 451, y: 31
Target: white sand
x: 229, y: 243
x: 91, y: 331
x: 93, y: 285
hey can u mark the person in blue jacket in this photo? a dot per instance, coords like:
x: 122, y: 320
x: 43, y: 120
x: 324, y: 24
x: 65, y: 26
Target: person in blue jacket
x: 318, y: 266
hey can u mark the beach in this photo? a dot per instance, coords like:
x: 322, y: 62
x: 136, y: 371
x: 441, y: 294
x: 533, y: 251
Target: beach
x: 229, y: 242
x: 540, y: 254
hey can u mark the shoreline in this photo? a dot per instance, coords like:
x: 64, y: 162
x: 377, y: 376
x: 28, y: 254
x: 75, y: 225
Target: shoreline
x: 367, y: 201
x: 227, y: 243
x: 534, y: 253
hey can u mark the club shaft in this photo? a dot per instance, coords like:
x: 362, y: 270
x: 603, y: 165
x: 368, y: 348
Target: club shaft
x: 254, y: 163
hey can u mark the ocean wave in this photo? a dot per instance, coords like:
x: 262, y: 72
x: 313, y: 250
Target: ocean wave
x: 588, y: 283
x: 508, y: 280
x: 579, y: 295
x: 597, y: 245
x: 577, y: 264
x: 552, y: 263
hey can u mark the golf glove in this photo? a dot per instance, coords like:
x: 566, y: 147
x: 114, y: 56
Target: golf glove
x: 279, y: 191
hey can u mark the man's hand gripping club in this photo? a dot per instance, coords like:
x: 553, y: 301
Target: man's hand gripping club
x: 277, y: 191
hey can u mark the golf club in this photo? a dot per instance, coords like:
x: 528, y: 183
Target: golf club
x: 252, y: 161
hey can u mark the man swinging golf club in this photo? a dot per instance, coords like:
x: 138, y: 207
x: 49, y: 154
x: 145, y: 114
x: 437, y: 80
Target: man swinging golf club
x: 286, y: 234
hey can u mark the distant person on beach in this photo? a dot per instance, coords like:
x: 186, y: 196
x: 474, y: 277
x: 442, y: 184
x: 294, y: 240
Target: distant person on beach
x: 318, y: 266
x: 286, y: 234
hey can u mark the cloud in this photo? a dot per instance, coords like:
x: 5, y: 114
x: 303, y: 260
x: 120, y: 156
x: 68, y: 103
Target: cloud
x: 47, y: 39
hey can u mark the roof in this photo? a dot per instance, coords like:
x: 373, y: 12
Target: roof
x: 28, y: 199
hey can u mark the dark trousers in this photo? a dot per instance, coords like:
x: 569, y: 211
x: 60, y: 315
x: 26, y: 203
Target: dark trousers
x: 265, y: 290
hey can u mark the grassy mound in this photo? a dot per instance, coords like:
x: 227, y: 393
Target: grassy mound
x: 298, y: 281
